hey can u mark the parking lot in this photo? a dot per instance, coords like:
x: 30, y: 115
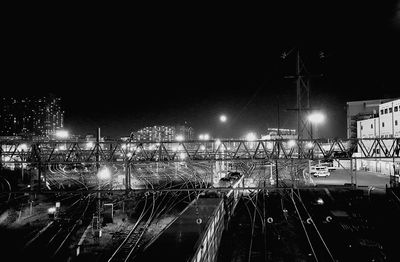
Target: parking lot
x: 361, y: 178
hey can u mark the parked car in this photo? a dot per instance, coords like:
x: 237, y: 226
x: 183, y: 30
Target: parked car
x: 321, y: 171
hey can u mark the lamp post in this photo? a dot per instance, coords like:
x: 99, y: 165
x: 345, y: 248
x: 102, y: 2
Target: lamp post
x: 103, y: 174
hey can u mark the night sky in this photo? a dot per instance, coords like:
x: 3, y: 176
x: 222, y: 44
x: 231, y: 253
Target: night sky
x: 148, y: 66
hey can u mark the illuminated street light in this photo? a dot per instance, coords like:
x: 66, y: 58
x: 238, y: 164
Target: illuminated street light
x: 23, y: 147
x: 217, y: 142
x: 104, y: 173
x: 204, y: 136
x: 223, y: 118
x: 316, y: 118
x: 89, y: 145
x: 62, y: 134
x: 179, y: 138
x: 251, y: 136
x: 182, y: 156
x: 291, y: 143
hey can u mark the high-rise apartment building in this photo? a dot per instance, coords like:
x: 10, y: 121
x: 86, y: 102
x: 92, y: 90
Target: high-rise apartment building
x: 40, y: 116
x: 164, y: 133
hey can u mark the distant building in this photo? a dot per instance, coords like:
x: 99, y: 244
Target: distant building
x: 30, y: 116
x: 386, y: 124
x: 164, y: 133
x: 359, y: 110
x: 284, y: 133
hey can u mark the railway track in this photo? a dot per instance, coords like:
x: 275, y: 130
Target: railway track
x: 51, y: 242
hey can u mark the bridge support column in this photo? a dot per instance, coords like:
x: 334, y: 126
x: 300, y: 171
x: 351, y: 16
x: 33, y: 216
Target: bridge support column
x: 355, y: 173
x: 351, y: 172
x: 127, y: 176
x: 45, y: 178
x: 276, y: 173
x: 212, y: 168
x: 39, y: 177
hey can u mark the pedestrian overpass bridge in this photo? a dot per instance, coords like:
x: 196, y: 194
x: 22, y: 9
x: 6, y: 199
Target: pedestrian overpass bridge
x: 16, y: 151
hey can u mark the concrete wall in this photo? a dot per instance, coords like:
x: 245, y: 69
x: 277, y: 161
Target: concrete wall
x: 368, y: 128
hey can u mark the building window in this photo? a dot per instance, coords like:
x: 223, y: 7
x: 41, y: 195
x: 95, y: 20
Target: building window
x: 395, y: 122
x: 396, y: 108
x: 381, y: 111
x: 386, y: 111
x: 383, y: 124
x: 361, y: 127
x: 390, y: 110
x: 372, y: 126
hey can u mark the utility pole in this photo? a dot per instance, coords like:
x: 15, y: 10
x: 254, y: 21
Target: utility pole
x: 97, y: 153
x: 279, y: 124
x: 276, y: 173
x: 302, y: 94
x: 298, y: 92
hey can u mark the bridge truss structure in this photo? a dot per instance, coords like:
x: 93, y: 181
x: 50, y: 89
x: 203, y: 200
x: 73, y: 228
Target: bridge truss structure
x: 131, y: 152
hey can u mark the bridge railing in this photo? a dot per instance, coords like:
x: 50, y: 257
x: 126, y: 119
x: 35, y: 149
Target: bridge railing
x: 81, y: 151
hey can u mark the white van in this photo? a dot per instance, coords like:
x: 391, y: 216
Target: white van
x: 329, y: 166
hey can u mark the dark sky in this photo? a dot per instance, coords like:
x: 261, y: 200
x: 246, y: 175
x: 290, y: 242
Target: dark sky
x: 144, y: 66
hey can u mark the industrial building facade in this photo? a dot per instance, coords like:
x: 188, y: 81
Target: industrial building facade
x: 360, y: 110
x: 385, y: 125
x: 30, y: 116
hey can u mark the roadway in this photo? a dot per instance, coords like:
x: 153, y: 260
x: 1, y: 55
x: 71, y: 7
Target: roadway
x: 363, y: 178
